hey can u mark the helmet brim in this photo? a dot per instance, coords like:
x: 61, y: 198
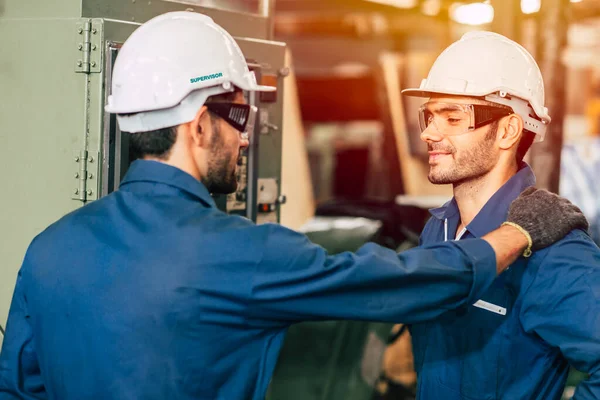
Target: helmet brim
x: 416, y: 93
x: 262, y: 88
x: 427, y: 93
x: 254, y: 87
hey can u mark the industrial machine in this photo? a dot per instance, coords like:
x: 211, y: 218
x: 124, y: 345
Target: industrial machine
x: 61, y: 150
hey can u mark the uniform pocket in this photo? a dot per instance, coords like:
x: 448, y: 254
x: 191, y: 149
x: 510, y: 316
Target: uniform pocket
x: 463, y: 353
x: 483, y: 344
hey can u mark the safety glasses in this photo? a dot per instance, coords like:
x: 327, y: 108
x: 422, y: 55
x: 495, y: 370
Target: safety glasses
x: 239, y: 116
x: 456, y: 119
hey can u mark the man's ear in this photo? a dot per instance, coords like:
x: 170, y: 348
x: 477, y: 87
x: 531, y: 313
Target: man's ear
x: 512, y: 130
x: 200, y: 127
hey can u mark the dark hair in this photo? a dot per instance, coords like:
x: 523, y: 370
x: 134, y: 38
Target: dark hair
x: 158, y: 143
x: 524, y: 144
x: 225, y: 97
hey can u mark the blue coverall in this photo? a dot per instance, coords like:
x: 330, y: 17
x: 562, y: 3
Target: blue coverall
x: 153, y: 293
x: 537, y: 318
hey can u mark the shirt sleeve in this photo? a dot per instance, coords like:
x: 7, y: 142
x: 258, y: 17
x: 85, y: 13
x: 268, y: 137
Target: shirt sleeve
x: 562, y: 307
x: 297, y: 280
x: 20, y: 376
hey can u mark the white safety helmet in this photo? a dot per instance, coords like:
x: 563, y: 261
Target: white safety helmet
x: 169, y: 66
x: 489, y: 65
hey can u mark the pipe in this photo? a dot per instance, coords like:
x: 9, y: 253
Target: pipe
x: 266, y: 8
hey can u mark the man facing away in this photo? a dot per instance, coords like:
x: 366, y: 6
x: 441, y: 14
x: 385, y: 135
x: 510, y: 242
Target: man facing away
x: 485, y: 108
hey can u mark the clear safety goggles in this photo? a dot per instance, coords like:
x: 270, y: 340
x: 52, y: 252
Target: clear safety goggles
x: 240, y: 116
x: 456, y: 119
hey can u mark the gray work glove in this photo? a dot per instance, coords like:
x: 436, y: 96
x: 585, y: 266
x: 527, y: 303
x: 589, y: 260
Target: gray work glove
x: 546, y: 216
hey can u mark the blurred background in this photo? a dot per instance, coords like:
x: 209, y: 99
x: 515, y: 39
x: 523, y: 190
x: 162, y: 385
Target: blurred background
x: 339, y: 138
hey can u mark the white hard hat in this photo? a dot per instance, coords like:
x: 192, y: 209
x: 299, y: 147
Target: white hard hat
x: 486, y: 64
x: 169, y: 66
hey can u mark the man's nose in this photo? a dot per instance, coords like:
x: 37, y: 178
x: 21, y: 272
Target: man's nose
x: 431, y: 134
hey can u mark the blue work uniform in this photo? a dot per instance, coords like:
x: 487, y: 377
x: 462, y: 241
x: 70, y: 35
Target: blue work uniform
x: 153, y: 293
x: 518, y: 339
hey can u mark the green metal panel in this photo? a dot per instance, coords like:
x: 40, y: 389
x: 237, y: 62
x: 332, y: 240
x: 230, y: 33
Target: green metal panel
x: 236, y: 23
x: 42, y: 121
x: 40, y: 9
x: 119, y: 31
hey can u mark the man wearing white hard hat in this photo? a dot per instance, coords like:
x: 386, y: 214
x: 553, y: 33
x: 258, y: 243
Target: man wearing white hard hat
x: 485, y: 108
x: 178, y: 300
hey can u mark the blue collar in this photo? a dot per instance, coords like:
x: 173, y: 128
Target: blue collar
x: 494, y: 212
x: 147, y: 171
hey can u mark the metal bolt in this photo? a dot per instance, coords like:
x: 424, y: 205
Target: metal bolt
x: 77, y: 176
x: 79, y: 63
x: 76, y: 158
x: 76, y: 191
x: 90, y: 176
x: 80, y: 46
x: 94, y: 47
x: 90, y: 192
x: 93, y: 63
x: 80, y: 31
x: 91, y: 159
x: 284, y: 71
x: 133, y: 1
x: 94, y: 31
x: 133, y: 18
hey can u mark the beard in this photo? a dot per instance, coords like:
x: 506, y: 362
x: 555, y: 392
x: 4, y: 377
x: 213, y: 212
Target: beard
x: 221, y: 177
x: 468, y: 164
